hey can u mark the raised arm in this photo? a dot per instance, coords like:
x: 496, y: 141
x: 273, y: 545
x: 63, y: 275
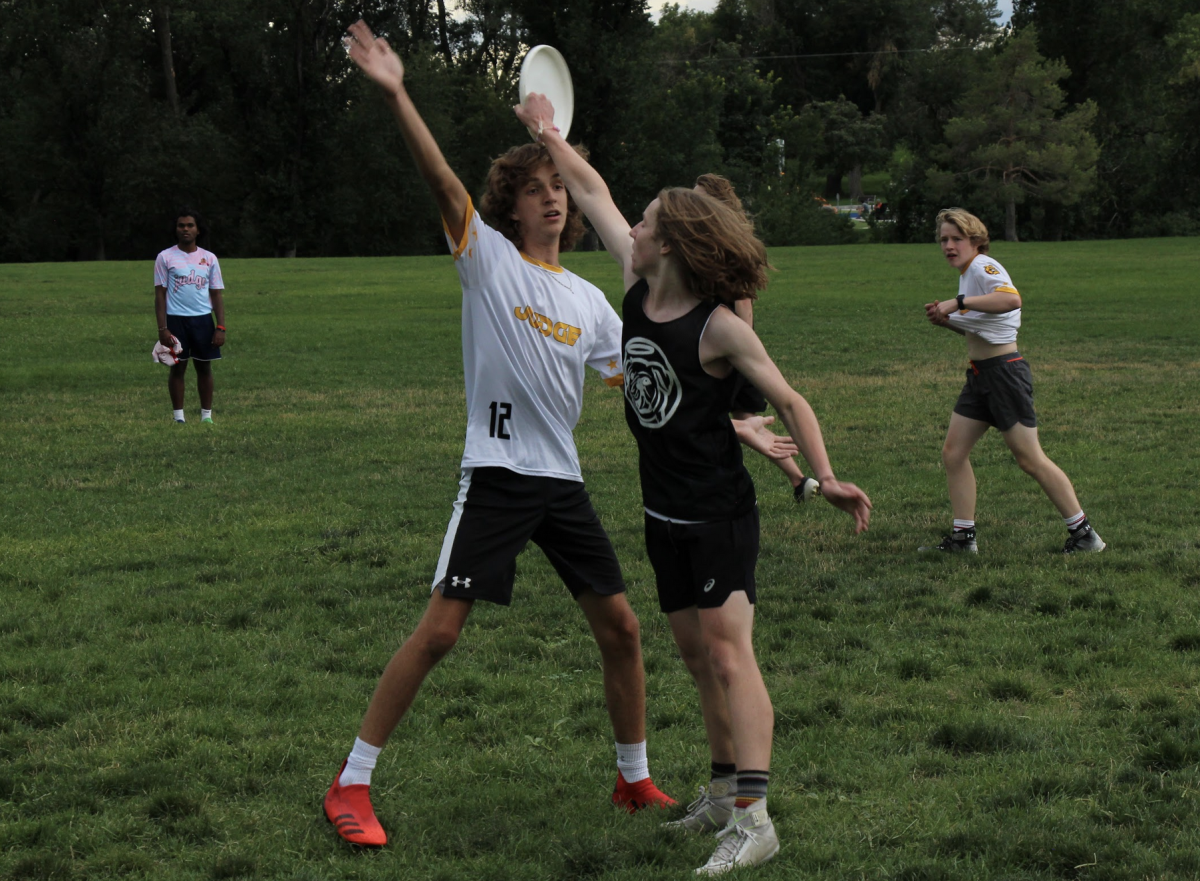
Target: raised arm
x: 376, y: 59
x: 729, y: 338
x: 584, y: 183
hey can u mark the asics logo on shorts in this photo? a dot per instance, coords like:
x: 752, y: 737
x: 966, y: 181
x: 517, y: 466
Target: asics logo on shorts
x: 460, y: 582
x: 708, y: 585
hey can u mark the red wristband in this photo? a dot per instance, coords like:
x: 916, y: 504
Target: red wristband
x: 220, y: 327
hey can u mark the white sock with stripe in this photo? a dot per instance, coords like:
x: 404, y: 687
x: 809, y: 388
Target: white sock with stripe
x: 632, y: 761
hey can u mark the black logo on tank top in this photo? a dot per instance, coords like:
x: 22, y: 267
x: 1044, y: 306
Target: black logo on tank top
x: 651, y: 386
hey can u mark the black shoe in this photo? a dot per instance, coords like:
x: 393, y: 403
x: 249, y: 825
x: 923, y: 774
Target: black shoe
x: 806, y: 489
x: 957, y: 542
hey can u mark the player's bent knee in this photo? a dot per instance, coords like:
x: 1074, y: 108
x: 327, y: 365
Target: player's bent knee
x: 436, y: 641
x: 622, y: 632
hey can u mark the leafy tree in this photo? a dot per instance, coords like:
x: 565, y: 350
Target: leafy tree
x: 1012, y: 138
x: 1127, y: 57
x: 849, y: 140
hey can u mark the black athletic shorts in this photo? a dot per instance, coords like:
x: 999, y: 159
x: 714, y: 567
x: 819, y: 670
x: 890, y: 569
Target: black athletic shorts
x: 498, y: 512
x: 999, y: 391
x: 195, y: 333
x: 701, y: 564
x: 747, y: 398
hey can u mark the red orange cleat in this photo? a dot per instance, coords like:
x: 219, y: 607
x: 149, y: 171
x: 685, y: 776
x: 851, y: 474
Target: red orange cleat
x: 643, y: 794
x: 349, y: 810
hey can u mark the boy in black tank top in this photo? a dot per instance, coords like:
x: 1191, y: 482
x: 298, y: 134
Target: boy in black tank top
x: 688, y: 256
x: 747, y: 400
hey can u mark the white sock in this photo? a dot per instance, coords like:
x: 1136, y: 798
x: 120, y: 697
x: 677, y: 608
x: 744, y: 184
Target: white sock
x: 1074, y: 521
x: 205, y: 414
x: 963, y: 524
x: 632, y: 762
x: 360, y: 764
x: 178, y: 415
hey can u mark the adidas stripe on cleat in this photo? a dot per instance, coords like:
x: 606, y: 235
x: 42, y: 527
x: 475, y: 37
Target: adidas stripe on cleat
x: 349, y: 809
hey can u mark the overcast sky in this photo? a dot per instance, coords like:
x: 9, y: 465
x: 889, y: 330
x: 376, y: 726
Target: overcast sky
x: 709, y: 5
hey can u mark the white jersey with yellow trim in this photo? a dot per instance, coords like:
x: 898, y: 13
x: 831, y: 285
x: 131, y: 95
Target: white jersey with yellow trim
x: 528, y: 331
x: 985, y: 276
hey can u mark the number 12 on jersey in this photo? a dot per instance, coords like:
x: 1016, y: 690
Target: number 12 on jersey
x: 501, y: 413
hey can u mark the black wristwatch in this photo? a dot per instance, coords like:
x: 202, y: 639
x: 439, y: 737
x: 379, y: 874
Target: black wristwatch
x: 959, y: 299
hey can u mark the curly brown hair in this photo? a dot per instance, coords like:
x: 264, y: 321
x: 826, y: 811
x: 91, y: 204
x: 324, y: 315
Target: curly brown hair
x: 714, y: 245
x: 968, y: 224
x: 510, y: 172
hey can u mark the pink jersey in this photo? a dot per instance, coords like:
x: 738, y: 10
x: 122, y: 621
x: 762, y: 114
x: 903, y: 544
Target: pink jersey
x: 188, y: 279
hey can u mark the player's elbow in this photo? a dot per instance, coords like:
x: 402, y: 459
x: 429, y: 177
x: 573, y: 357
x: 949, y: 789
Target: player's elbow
x: 1011, y: 303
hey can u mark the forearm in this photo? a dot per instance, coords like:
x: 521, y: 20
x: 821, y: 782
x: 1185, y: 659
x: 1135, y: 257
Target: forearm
x: 995, y: 303
x: 585, y: 184
x: 160, y: 306
x: 802, y: 425
x: 218, y: 305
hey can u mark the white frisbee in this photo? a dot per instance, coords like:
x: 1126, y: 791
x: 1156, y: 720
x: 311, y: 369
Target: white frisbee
x: 545, y: 71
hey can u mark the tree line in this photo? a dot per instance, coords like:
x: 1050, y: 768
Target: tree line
x: 1079, y: 120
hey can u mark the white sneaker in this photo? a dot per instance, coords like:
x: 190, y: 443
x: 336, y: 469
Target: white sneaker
x: 806, y: 490
x: 1084, y: 540
x: 748, y: 840
x: 708, y: 813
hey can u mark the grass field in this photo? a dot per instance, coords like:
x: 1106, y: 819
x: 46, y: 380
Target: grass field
x: 194, y: 617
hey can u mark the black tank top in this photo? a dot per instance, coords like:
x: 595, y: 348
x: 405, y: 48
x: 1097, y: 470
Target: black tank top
x: 689, y: 457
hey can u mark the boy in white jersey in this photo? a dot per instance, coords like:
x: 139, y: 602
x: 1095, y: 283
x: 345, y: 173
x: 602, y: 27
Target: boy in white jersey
x: 529, y: 329
x: 188, y: 293
x: 999, y: 388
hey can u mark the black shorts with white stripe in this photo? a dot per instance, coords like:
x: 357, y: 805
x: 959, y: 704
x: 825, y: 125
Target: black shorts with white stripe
x: 498, y: 512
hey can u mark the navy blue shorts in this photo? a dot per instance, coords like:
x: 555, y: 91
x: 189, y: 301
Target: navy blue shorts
x: 195, y: 333
x: 498, y: 512
x: 701, y: 564
x: 999, y: 391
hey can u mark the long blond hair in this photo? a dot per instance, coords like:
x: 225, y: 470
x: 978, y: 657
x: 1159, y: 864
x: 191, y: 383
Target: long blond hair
x: 713, y: 244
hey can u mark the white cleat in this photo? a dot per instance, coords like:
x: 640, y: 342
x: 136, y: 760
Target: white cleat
x: 748, y: 840
x: 708, y: 813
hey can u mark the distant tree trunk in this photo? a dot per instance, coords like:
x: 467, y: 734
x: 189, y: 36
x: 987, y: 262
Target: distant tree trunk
x: 833, y: 184
x: 443, y: 33
x: 854, y: 183
x: 1010, y: 221
x: 162, y: 27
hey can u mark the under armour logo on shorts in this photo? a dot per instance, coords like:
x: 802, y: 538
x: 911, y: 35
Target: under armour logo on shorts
x: 460, y: 582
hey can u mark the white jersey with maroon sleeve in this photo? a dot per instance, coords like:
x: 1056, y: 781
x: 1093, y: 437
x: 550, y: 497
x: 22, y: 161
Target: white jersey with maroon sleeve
x: 985, y: 276
x: 528, y: 331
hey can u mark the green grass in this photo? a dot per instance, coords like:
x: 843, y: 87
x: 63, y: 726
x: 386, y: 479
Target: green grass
x: 194, y: 617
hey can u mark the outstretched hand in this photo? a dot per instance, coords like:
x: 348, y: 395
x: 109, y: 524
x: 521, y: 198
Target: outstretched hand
x: 850, y: 499
x: 753, y: 432
x: 375, y: 57
x: 536, y: 114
